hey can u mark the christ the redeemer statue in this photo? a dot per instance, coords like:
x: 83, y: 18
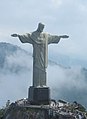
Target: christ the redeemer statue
x: 40, y: 42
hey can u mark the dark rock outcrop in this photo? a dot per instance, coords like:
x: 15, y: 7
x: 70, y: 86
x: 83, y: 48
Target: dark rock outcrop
x: 22, y: 109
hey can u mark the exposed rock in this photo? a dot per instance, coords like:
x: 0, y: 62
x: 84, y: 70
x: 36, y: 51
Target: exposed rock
x: 22, y: 109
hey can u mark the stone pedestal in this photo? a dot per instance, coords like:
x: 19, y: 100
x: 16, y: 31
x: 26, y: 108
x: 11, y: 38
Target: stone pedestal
x: 39, y: 95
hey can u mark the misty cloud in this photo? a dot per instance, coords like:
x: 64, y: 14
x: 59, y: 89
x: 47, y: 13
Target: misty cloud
x: 15, y: 73
x: 69, y: 84
x: 16, y: 77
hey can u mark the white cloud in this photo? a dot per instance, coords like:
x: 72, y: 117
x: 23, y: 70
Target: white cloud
x: 15, y: 77
x: 56, y: 3
x: 68, y: 84
x: 65, y: 83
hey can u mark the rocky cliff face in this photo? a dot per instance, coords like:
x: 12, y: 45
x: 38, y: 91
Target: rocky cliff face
x: 22, y: 109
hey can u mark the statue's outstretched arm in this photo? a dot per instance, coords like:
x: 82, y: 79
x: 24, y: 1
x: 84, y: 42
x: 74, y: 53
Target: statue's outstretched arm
x: 14, y: 35
x: 24, y: 38
x: 55, y: 38
x: 64, y: 36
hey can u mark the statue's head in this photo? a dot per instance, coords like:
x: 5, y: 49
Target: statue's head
x: 40, y: 27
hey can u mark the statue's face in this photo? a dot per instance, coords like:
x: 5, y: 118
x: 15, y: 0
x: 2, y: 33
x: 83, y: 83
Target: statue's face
x: 40, y: 27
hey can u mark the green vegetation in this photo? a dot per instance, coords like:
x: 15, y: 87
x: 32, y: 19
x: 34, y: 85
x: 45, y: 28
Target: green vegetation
x: 2, y: 110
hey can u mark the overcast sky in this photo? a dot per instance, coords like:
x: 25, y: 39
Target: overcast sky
x: 59, y: 16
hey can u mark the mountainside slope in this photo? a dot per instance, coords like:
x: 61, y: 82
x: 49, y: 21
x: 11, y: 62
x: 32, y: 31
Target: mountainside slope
x: 9, y: 58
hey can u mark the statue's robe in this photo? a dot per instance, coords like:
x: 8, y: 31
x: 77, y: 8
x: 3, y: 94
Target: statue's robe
x: 40, y: 43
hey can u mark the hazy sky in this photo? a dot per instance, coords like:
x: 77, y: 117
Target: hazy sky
x: 59, y: 16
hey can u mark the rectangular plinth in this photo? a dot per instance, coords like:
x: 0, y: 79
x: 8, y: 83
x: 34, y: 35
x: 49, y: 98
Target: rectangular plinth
x: 40, y: 95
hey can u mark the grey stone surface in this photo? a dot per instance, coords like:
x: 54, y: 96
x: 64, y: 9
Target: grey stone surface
x: 39, y: 96
x: 40, y: 42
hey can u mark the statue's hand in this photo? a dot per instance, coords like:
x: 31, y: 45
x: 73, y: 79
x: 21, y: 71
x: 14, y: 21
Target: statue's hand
x: 64, y: 36
x: 14, y: 35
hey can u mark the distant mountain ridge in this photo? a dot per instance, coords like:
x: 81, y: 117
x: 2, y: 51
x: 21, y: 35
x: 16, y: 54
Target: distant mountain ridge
x: 7, y: 49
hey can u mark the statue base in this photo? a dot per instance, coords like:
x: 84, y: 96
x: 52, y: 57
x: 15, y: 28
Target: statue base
x: 39, y: 95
